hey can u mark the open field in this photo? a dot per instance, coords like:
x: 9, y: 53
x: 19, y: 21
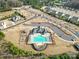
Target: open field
x: 5, y: 14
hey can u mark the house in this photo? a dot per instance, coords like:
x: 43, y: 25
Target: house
x: 39, y: 30
x: 74, y: 19
x: 26, y: 7
x: 58, y: 14
x: 77, y: 21
x: 16, y: 18
x: 46, y: 9
x: 66, y: 17
x: 69, y: 18
x: 53, y: 13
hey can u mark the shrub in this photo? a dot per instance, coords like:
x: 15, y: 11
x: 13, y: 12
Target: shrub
x: 64, y: 56
x: 61, y: 56
x: 19, y: 52
x: 2, y: 35
x: 77, y: 57
x: 16, y: 13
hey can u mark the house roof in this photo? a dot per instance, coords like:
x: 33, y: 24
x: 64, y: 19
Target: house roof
x: 73, y: 4
x: 74, y: 19
x: 59, y: 13
x: 39, y: 30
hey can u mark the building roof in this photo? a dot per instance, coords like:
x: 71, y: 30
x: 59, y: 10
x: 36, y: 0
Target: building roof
x: 73, y: 4
x: 15, y: 18
x: 2, y: 25
x: 74, y: 19
x: 39, y: 30
x: 59, y: 13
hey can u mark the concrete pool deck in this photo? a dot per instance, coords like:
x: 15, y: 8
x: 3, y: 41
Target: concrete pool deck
x: 41, y: 39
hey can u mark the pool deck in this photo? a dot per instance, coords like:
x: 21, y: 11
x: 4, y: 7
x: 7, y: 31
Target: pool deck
x: 45, y: 37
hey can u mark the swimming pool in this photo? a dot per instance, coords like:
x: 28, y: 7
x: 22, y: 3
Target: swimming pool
x: 40, y: 39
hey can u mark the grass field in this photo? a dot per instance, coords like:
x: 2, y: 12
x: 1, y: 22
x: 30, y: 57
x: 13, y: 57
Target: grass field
x: 5, y: 14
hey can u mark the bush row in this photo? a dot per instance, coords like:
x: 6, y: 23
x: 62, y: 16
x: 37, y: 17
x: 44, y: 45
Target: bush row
x: 62, y: 56
x: 15, y: 13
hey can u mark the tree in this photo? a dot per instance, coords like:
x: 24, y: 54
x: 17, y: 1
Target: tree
x: 14, y: 3
x: 64, y: 56
x: 45, y: 58
x: 2, y: 35
x: 4, y: 6
x: 77, y: 57
x: 54, y: 57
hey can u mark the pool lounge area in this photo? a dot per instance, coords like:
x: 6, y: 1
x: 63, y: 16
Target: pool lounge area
x: 39, y: 38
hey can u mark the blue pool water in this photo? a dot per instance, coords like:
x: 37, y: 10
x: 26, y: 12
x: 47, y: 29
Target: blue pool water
x: 39, y: 39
